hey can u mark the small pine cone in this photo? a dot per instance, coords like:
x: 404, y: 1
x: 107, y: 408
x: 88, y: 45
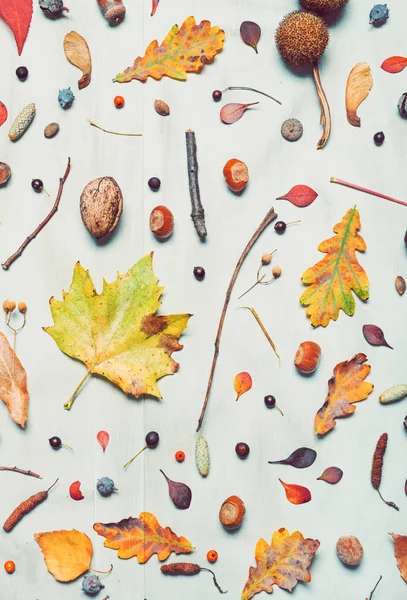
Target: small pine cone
x: 22, y: 122
x: 377, y: 465
x: 202, y: 456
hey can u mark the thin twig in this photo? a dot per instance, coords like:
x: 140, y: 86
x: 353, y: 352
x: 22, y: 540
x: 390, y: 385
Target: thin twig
x: 374, y: 589
x: 270, y: 216
x: 366, y: 190
x: 264, y: 330
x: 249, y: 89
x: 114, y: 132
x: 17, y: 470
x: 198, y: 213
x: 6, y: 265
x: 325, y: 110
x: 388, y: 502
x: 259, y: 280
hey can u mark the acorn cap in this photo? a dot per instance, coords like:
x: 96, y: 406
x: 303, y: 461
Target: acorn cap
x: 301, y: 38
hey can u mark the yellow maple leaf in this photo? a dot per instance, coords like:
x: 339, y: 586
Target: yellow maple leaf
x: 142, y: 537
x: 67, y: 554
x: 13, y: 383
x: 284, y: 563
x: 184, y: 50
x: 116, y: 333
x: 332, y: 280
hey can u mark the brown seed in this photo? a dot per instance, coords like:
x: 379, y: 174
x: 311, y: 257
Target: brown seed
x: 51, y: 130
x: 232, y: 513
x: 400, y: 284
x: 292, y: 130
x: 5, y: 173
x: 307, y: 357
x: 162, y: 108
x: 101, y: 206
x: 349, y: 550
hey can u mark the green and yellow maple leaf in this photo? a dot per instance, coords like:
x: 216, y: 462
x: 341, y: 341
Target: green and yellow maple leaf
x: 116, y: 333
x: 332, y: 280
x: 184, y: 50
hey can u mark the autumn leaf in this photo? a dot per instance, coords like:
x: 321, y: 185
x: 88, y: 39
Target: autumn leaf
x: 116, y: 333
x: 394, y: 64
x: 284, y: 563
x: 142, y: 537
x: 13, y: 383
x: 345, y: 388
x: 332, y: 280
x: 400, y: 552
x: 17, y: 14
x: 300, y: 195
x: 242, y: 383
x: 78, y: 53
x: 184, y: 50
x: 67, y: 554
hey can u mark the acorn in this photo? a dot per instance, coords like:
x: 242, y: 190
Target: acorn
x: 307, y: 357
x: 232, y: 513
x: 161, y: 222
x: 325, y: 7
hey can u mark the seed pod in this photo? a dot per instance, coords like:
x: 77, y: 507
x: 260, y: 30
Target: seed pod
x: 400, y: 284
x: 51, y: 130
x: 101, y: 206
x: 25, y: 507
x: 22, y: 122
x: 393, y: 394
x: 377, y: 465
x: 161, y: 108
x: 202, y: 456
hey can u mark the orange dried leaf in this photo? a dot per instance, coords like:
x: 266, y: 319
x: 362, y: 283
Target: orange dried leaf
x: 13, y: 383
x: 184, y: 50
x: 284, y: 563
x: 345, y: 388
x: 296, y: 494
x: 394, y: 64
x: 242, y: 383
x: 400, y: 552
x: 67, y: 554
x: 332, y: 280
x: 142, y: 537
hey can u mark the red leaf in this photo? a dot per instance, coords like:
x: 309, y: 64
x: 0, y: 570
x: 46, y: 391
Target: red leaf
x: 3, y: 113
x: 103, y: 438
x: 250, y: 33
x: 375, y: 336
x: 300, y: 195
x: 394, y: 64
x: 230, y: 113
x: 17, y: 14
x: 331, y: 475
x: 75, y: 492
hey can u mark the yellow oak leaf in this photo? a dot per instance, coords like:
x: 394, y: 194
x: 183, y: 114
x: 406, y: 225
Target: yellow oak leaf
x: 67, y: 554
x: 332, y: 280
x: 13, y: 383
x: 346, y: 387
x: 184, y: 50
x: 284, y: 563
x: 142, y: 537
x: 116, y: 333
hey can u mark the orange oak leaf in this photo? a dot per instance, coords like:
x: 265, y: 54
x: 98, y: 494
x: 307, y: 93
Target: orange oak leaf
x: 17, y: 14
x: 400, y: 552
x: 13, y: 383
x: 67, y: 554
x: 184, y: 50
x: 142, y: 537
x: 332, y: 280
x: 345, y: 388
x: 284, y: 563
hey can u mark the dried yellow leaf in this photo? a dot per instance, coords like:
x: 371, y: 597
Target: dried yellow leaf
x: 67, y: 554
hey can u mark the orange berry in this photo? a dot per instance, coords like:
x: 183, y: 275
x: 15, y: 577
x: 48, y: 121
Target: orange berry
x: 9, y: 566
x: 212, y: 556
x: 180, y: 456
x: 119, y: 101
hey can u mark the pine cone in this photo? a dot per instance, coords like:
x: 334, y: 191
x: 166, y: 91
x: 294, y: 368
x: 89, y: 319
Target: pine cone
x: 22, y: 122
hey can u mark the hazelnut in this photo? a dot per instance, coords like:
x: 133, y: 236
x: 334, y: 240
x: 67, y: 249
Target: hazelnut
x: 232, y: 513
x: 236, y: 174
x: 101, y: 206
x: 307, y: 357
x: 161, y: 222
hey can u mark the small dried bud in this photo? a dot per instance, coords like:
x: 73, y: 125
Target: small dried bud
x: 22, y: 307
x: 276, y: 271
x: 6, y: 306
x: 12, y: 305
x: 266, y: 259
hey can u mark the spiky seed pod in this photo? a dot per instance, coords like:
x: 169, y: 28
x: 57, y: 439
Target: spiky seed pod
x: 301, y: 38
x: 393, y: 394
x: 377, y: 464
x: 202, y: 456
x: 22, y: 122
x: 324, y: 7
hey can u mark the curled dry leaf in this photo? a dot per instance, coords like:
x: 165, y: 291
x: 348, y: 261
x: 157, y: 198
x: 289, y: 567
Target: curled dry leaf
x: 78, y: 53
x: 230, y: 113
x: 394, y: 64
x: 250, y: 33
x: 358, y: 86
x: 3, y: 113
x: 345, y: 388
x: 400, y: 552
x: 67, y: 554
x: 17, y: 14
x: 13, y: 383
x: 75, y: 492
x: 103, y: 438
x: 400, y: 284
x: 284, y: 563
x: 300, y: 458
x: 296, y: 494
x: 331, y: 475
x: 374, y: 336
x: 300, y: 195
x: 242, y: 383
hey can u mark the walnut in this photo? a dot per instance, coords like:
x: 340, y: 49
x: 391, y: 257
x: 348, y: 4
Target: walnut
x: 101, y: 206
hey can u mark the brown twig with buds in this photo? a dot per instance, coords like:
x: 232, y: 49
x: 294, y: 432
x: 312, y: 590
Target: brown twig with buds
x: 22, y: 471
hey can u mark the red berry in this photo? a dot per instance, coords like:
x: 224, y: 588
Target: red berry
x: 37, y: 185
x: 152, y: 439
x: 242, y: 450
x: 180, y: 456
x: 55, y: 442
x: 22, y: 73
x: 269, y: 401
x: 217, y: 95
x: 199, y: 273
x: 154, y: 183
x: 280, y: 227
x: 9, y: 566
x: 378, y: 138
x: 119, y: 101
x: 212, y: 556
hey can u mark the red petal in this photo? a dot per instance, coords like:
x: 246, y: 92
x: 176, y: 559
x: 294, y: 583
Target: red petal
x: 103, y: 438
x: 300, y: 195
x: 3, y: 113
x: 394, y: 64
x: 17, y: 14
x: 296, y: 494
x: 75, y: 492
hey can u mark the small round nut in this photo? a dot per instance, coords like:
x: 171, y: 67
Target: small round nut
x: 51, y: 130
x: 292, y: 130
x: 307, y: 357
x: 349, y: 550
x: 232, y: 513
x: 101, y: 206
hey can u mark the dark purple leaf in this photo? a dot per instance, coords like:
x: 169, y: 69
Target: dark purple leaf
x: 180, y: 493
x: 300, y: 195
x: 250, y: 33
x: 230, y: 113
x: 331, y: 475
x: 300, y: 459
x: 375, y: 336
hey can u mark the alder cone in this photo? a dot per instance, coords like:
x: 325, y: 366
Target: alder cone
x: 101, y: 206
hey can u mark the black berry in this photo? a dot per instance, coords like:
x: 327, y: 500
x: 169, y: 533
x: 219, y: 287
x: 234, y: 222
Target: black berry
x: 378, y: 138
x: 269, y: 401
x: 154, y: 183
x: 37, y: 185
x: 55, y: 442
x: 22, y: 73
x: 242, y: 450
x: 217, y: 95
x: 199, y: 273
x: 280, y: 227
x: 152, y: 439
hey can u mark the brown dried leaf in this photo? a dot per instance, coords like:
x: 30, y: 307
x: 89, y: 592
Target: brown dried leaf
x: 78, y: 53
x: 400, y: 552
x: 250, y: 33
x: 358, y: 86
x: 13, y: 383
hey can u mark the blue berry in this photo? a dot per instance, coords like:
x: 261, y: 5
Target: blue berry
x: 66, y: 98
x: 105, y: 486
x: 379, y: 15
x: 91, y: 585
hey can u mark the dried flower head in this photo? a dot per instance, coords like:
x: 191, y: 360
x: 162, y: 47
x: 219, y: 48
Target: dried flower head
x: 22, y: 307
x: 276, y: 271
x: 301, y: 38
x: 266, y: 259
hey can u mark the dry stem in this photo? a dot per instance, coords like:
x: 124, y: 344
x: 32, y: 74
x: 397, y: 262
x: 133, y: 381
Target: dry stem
x: 374, y: 589
x: 270, y: 216
x: 325, y: 110
x: 264, y: 330
x: 114, y: 132
x: 6, y: 265
x: 366, y: 190
x: 17, y: 470
x: 198, y: 213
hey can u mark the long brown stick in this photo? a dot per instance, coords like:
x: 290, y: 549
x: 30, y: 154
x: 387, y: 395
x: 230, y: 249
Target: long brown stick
x: 198, y: 213
x: 270, y: 216
x: 6, y: 265
x: 16, y: 470
x: 374, y: 589
x: 325, y: 110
